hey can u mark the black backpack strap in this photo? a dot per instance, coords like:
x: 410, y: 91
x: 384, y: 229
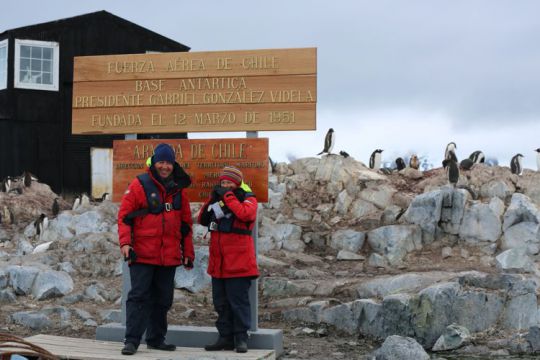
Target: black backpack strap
x: 155, y: 205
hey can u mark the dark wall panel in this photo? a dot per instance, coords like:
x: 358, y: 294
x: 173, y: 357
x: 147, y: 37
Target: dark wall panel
x: 35, y: 125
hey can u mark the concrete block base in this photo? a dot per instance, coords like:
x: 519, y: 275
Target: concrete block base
x: 198, y: 336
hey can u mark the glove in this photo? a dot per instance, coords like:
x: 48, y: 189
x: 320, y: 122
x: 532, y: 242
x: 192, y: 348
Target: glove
x: 220, y: 191
x: 188, y: 263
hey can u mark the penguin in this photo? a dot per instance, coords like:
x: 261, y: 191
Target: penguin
x: 375, y: 159
x: 7, y: 184
x: 477, y: 157
x: 329, y: 142
x: 466, y: 164
x: 344, y: 154
x: 400, y: 164
x: 413, y: 162
x: 538, y: 158
x: 272, y: 165
x: 41, y: 224
x: 451, y: 147
x: 85, y: 200
x: 27, y: 179
x: 452, y: 171
x: 76, y: 203
x: 7, y: 216
x: 55, y: 207
x: 105, y: 196
x: 516, y: 164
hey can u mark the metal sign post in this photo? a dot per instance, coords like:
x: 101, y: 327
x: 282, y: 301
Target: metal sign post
x: 253, y: 290
x: 126, y: 278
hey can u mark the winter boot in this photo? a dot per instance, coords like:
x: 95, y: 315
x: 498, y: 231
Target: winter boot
x: 240, y: 342
x: 222, y: 343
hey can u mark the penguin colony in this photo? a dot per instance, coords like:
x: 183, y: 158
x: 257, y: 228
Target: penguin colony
x: 14, y: 186
x: 450, y: 162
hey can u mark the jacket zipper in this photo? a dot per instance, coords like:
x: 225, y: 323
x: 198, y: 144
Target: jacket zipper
x: 162, y: 230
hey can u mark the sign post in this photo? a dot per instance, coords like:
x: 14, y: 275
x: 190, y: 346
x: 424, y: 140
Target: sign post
x: 250, y: 90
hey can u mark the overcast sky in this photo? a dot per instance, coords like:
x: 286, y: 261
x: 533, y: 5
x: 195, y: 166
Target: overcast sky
x: 403, y: 76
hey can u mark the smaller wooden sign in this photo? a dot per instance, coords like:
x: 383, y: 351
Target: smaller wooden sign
x: 202, y: 159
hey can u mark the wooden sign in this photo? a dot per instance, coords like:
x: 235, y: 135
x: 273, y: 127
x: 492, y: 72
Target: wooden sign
x: 202, y: 159
x: 195, y: 92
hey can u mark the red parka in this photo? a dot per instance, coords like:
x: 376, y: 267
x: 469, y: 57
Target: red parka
x: 156, y: 237
x: 232, y: 254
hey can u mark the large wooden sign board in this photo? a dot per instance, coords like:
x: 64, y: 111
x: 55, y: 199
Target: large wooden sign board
x: 195, y: 92
x: 202, y: 159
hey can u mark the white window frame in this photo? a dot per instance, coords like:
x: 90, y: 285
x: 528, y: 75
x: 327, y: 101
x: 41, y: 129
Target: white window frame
x: 5, y: 43
x: 55, y: 65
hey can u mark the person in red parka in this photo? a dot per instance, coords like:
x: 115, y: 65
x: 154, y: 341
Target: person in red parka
x: 230, y: 215
x: 155, y: 234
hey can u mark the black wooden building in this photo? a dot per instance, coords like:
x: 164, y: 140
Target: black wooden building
x: 36, y: 82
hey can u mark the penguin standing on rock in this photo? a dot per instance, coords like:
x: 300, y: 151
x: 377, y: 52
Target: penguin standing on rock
x: 450, y: 152
x: 477, y: 157
x: 55, y: 207
x: 413, y: 162
x: 27, y: 179
x: 452, y: 171
x: 516, y: 164
x: 41, y: 224
x: 7, y: 216
x: 375, y: 159
x: 85, y: 200
x: 329, y: 142
x: 400, y: 164
x: 538, y: 158
x: 76, y: 203
x: 6, y: 184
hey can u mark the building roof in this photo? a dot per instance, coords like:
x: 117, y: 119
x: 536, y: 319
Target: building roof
x: 103, y: 14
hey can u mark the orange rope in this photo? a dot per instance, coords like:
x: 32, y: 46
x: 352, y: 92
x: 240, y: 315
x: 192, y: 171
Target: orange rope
x: 11, y: 343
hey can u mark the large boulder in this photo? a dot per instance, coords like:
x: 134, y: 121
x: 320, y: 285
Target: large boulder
x: 409, y: 282
x: 50, y: 283
x: 31, y: 319
x: 397, y: 347
x: 380, y: 195
x: 515, y: 260
x: 196, y: 279
x: 521, y: 209
x: 349, y: 240
x: 425, y: 211
x: 522, y: 235
x: 21, y: 278
x: 481, y: 223
x: 453, y: 207
x: 395, y: 241
x: 343, y: 202
x: 453, y: 337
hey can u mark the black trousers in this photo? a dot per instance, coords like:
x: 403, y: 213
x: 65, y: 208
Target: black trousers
x: 231, y: 302
x: 149, y: 300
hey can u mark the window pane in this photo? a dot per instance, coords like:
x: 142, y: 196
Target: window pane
x: 25, y: 64
x: 36, y: 52
x: 36, y: 77
x: 36, y: 65
x: 47, y: 78
x: 3, y: 51
x: 47, y: 53
x: 25, y: 51
x: 47, y: 65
